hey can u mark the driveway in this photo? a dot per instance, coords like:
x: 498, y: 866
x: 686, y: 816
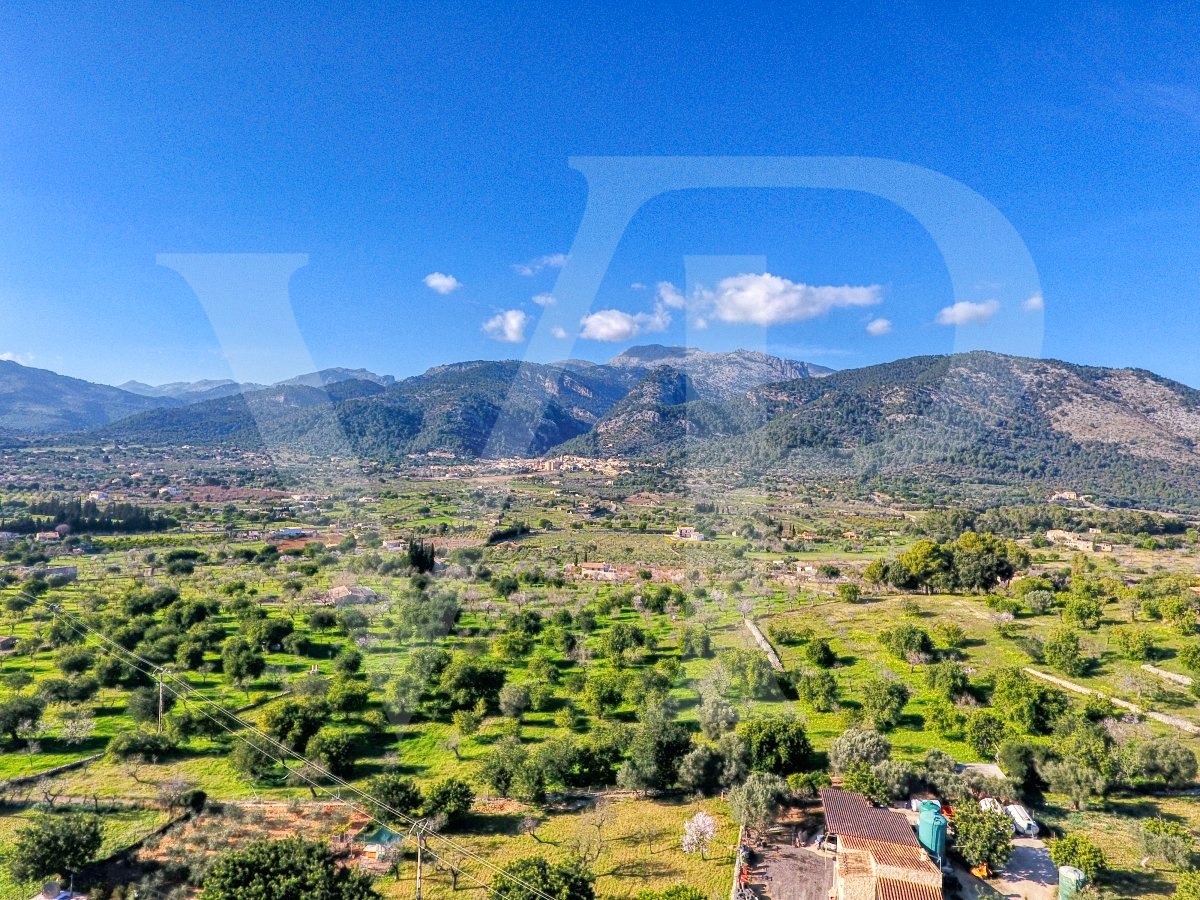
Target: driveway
x: 1029, y: 875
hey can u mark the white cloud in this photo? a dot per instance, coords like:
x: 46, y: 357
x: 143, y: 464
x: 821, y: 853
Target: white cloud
x: 531, y: 268
x: 615, y: 325
x: 22, y: 358
x: 669, y: 295
x: 770, y: 300
x: 964, y: 312
x: 1036, y: 303
x: 879, y: 327
x: 559, y: 332
x: 442, y: 283
x: 508, y: 326
x: 637, y: 286
x: 544, y: 299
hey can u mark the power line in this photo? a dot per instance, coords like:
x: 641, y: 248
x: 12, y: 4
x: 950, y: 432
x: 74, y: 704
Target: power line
x: 155, y: 671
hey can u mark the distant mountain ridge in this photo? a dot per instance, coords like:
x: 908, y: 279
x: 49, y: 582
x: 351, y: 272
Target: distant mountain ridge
x: 923, y: 423
x: 39, y: 401
x: 36, y: 401
x: 717, y: 376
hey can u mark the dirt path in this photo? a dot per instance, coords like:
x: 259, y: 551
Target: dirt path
x: 1181, y: 680
x: 1173, y: 721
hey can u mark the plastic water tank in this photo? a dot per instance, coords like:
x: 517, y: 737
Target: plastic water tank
x: 931, y: 829
x: 1070, y: 881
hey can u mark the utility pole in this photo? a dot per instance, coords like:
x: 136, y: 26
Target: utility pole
x: 160, y: 700
x: 420, y: 828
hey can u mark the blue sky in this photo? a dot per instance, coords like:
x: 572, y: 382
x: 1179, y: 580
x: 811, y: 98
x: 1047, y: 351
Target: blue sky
x: 390, y: 144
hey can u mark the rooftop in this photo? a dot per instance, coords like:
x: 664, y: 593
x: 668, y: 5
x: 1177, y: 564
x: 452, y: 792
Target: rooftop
x: 849, y: 814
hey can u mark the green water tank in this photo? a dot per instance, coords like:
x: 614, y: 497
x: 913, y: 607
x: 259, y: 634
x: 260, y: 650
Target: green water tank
x: 931, y: 829
x: 1070, y: 881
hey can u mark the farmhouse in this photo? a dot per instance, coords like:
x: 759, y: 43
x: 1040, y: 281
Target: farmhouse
x: 878, y: 855
x: 688, y: 533
x: 46, y: 537
x: 346, y: 595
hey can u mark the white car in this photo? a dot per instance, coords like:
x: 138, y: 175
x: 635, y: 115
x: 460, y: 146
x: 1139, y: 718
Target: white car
x: 1022, y: 820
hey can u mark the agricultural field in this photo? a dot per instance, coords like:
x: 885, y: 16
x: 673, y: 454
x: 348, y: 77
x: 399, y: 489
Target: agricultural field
x: 536, y: 665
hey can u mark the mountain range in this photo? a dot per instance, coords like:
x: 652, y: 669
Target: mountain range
x: 922, y: 424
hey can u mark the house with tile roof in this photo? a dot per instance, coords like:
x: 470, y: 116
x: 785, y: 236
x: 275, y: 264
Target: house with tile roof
x: 878, y: 855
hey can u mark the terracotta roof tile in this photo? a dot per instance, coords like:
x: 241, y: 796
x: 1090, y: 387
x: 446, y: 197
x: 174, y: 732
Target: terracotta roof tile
x: 893, y: 889
x: 850, y: 814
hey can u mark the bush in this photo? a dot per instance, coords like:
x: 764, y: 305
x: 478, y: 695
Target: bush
x: 149, y: 744
x: 1076, y: 850
x: 1166, y: 840
x: 820, y: 653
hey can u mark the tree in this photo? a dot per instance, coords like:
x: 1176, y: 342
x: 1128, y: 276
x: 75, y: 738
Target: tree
x: 514, y: 700
x: 883, y: 701
x: 241, y: 661
x: 906, y: 639
x: 467, y: 721
x: 451, y: 798
x: 817, y: 690
x: 533, y: 878
x: 756, y: 802
x: 717, y: 716
x: 985, y: 732
x: 657, y: 747
x: 466, y: 681
x: 948, y: 678
x: 1188, y: 886
x: 397, y: 793
x: 1062, y: 651
x: 861, y: 779
x: 1076, y: 850
x: 16, y: 711
x: 288, y: 869
x: 777, y: 744
x: 1022, y: 703
x: 858, y: 745
x: 335, y: 750
x: 294, y: 722
x: 699, y: 770
x: 55, y: 844
x: 253, y: 758
x: 945, y: 719
x: 501, y: 765
x: 698, y: 834
x: 1076, y: 779
x: 982, y: 837
x: 1167, y: 760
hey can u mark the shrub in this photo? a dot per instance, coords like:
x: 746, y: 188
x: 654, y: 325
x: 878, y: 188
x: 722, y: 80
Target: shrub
x: 1166, y: 840
x: 1076, y: 850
